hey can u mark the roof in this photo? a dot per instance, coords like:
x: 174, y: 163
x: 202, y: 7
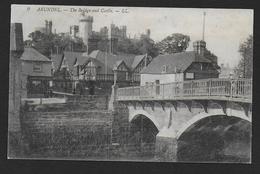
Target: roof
x: 180, y: 61
x: 118, y: 63
x: 112, y: 59
x: 137, y: 60
x: 71, y: 58
x: 96, y: 62
x: 31, y: 54
x: 100, y: 59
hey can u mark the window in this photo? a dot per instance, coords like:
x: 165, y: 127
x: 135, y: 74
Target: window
x: 189, y: 75
x: 36, y: 82
x: 164, y: 69
x: 37, y: 67
x: 50, y: 84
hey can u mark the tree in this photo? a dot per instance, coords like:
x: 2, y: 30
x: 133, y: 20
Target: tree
x: 128, y: 46
x: 144, y: 45
x: 244, y: 68
x: 42, y: 42
x: 212, y: 57
x: 174, y: 43
x: 53, y: 43
x: 147, y: 45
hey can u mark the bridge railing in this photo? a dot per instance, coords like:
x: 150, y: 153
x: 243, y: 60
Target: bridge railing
x: 234, y: 88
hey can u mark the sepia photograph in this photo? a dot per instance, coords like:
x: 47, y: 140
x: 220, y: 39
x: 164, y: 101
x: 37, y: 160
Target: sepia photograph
x: 142, y: 84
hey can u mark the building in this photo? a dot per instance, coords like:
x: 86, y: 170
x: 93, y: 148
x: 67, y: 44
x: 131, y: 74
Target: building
x: 66, y: 70
x: 106, y: 39
x: 138, y: 36
x: 96, y: 68
x: 74, y: 31
x: 15, y: 138
x: 188, y: 65
x: 47, y: 29
x: 118, y: 32
x: 85, y: 27
x: 16, y: 51
x: 37, y: 70
x: 126, y: 66
x: 93, y: 40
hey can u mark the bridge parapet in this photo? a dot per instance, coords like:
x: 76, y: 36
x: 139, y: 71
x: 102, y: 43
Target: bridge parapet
x: 173, y: 108
x: 239, y: 90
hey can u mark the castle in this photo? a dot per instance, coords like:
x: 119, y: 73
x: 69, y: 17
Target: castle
x: 85, y: 30
x: 106, y: 39
x: 47, y: 29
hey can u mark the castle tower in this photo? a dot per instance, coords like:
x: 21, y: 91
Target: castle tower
x: 148, y: 33
x: 85, y: 27
x: 123, y: 30
x: 46, y: 26
x: 50, y: 28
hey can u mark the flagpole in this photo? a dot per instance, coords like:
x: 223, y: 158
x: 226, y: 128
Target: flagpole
x: 203, y: 31
x: 109, y: 49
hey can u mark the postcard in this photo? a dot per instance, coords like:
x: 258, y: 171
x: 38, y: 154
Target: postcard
x: 130, y: 84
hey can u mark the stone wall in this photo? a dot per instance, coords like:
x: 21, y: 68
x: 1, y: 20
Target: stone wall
x: 120, y: 124
x: 75, y: 134
x: 79, y: 128
x: 91, y: 102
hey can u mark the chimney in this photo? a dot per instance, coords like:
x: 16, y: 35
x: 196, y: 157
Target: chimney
x: 199, y: 47
x: 16, y: 37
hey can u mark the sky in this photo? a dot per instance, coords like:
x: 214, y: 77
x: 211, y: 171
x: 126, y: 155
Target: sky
x: 225, y: 29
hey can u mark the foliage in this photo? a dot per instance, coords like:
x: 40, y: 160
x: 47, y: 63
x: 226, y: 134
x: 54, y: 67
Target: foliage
x: 127, y: 46
x: 245, y: 66
x: 142, y: 46
x: 147, y: 45
x: 53, y: 43
x: 174, y: 43
x: 212, y: 57
x: 41, y: 42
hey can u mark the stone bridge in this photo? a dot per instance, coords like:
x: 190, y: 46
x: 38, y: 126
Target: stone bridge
x: 176, y: 108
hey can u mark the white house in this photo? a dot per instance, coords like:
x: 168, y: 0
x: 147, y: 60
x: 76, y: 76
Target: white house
x: 188, y: 65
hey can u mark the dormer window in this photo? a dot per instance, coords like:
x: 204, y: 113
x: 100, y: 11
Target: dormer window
x: 164, y: 69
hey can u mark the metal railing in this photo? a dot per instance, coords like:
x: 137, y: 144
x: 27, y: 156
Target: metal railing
x: 225, y: 88
x: 110, y: 77
x: 99, y: 77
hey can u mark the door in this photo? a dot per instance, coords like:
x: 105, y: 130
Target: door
x: 91, y: 87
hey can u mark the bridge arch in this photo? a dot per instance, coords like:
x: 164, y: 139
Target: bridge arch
x: 203, y: 115
x: 137, y: 113
x: 215, y: 138
x: 142, y: 135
